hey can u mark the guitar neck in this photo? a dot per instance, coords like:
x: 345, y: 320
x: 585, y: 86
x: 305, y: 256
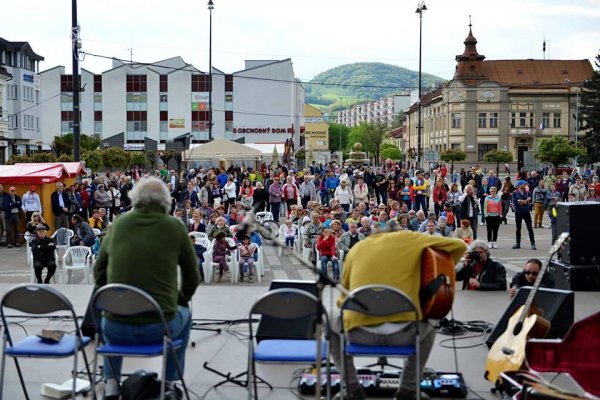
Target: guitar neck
x: 553, y: 250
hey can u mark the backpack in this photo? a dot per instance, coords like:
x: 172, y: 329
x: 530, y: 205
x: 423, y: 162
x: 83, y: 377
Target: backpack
x: 141, y: 385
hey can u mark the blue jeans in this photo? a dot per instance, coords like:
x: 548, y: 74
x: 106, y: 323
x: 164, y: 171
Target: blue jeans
x: 420, y: 202
x: 124, y: 333
x: 334, y: 264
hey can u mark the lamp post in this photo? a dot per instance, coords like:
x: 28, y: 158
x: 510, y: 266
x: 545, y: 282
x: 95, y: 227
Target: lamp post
x: 211, y: 6
x: 341, y: 118
x: 75, y: 43
x: 420, y: 8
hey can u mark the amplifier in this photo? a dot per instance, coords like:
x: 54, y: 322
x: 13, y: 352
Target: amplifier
x: 580, y: 219
x: 576, y: 277
x: 377, y: 382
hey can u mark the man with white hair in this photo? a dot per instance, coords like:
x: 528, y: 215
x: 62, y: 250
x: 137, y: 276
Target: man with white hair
x: 143, y: 248
x: 478, y: 271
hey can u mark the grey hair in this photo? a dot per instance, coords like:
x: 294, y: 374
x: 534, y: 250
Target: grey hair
x: 150, y: 190
x: 479, y: 244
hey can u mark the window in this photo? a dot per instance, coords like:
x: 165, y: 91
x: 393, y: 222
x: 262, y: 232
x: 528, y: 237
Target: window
x: 493, y: 120
x: 13, y: 121
x: 482, y: 149
x: 12, y: 92
x: 545, y: 120
x: 97, y: 126
x: 163, y: 101
x: 28, y: 93
x: 557, y: 120
x: 28, y: 122
x: 137, y: 101
x: 456, y: 120
x: 228, y: 101
x: 531, y: 124
x: 513, y: 117
x: 481, y: 120
x: 37, y: 97
x: 455, y: 146
x: 137, y: 126
x: 66, y: 102
x: 522, y: 120
x: 97, y: 101
x: 66, y: 127
x: 164, y: 131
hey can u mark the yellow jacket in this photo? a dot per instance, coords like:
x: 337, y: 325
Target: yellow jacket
x: 392, y: 259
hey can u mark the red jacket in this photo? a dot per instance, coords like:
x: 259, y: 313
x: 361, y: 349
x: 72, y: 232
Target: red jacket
x: 439, y: 194
x: 285, y: 192
x: 326, y: 247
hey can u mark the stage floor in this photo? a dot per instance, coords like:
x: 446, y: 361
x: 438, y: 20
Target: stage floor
x: 228, y: 352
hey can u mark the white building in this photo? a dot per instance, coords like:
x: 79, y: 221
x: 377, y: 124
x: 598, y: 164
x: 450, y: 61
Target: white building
x: 377, y: 111
x: 19, y: 97
x: 261, y: 104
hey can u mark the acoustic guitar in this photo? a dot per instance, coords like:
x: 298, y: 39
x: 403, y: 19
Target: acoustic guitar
x: 508, y: 351
x: 437, y: 283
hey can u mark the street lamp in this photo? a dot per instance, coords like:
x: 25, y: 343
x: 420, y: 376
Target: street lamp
x: 211, y: 6
x: 420, y: 8
x: 341, y: 118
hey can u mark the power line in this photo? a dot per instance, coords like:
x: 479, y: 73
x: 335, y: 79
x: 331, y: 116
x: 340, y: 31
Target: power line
x: 34, y: 106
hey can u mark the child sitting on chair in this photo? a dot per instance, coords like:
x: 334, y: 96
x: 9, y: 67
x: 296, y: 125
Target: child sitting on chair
x: 288, y: 232
x: 246, y: 250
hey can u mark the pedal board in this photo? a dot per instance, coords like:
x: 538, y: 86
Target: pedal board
x: 377, y: 382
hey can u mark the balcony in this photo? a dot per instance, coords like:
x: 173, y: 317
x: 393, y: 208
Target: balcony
x: 522, y: 132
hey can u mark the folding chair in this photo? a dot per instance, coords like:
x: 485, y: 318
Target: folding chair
x: 284, y: 304
x: 380, y: 300
x: 81, y: 259
x: 38, y: 300
x: 126, y: 301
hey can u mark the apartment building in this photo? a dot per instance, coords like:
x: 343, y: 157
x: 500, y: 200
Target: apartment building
x: 378, y: 111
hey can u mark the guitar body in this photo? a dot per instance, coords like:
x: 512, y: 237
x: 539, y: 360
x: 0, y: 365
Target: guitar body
x: 433, y: 264
x: 508, y: 351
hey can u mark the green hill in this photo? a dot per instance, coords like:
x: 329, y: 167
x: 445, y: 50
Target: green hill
x: 360, y: 82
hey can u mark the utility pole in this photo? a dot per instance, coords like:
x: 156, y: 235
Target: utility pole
x: 211, y: 6
x: 420, y: 8
x: 76, y: 44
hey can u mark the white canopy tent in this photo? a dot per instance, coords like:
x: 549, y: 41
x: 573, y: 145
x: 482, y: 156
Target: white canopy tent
x: 222, y: 150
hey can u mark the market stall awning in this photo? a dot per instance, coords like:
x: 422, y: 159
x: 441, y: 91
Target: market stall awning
x: 73, y: 168
x: 222, y: 149
x: 32, y: 174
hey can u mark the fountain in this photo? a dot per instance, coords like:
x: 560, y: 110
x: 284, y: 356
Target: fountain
x: 358, y: 157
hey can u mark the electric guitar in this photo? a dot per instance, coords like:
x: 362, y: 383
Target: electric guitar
x: 508, y: 351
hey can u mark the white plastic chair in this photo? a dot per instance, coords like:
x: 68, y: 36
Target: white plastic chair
x: 207, y: 265
x: 263, y: 216
x: 29, y: 254
x: 62, y: 238
x: 80, y: 257
x: 232, y: 262
x: 97, y: 232
x: 297, y: 239
x: 199, y: 236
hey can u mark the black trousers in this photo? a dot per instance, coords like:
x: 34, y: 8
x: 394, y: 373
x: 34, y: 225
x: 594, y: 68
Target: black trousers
x: 521, y: 216
x: 493, y: 224
x: 38, y: 267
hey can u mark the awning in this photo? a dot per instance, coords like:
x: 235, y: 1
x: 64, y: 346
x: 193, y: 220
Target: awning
x: 222, y: 149
x: 73, y: 168
x: 32, y: 174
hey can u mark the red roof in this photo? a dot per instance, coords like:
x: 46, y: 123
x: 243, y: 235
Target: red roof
x: 32, y: 174
x: 531, y: 73
x: 73, y: 168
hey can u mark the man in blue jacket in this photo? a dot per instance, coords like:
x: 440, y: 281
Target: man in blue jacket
x: 521, y: 199
x: 12, y: 207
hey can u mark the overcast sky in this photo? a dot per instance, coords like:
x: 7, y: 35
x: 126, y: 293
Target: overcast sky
x: 315, y: 34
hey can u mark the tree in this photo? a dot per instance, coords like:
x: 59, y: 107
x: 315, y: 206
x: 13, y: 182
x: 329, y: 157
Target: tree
x: 65, y: 158
x: 589, y: 114
x: 398, y: 118
x: 16, y: 158
x: 43, y: 157
x: 92, y: 159
x: 335, y: 131
x: 557, y: 150
x: 151, y: 157
x: 115, y: 157
x: 138, y: 158
x: 393, y: 153
x: 452, y: 155
x: 498, y: 156
x: 64, y: 144
x: 165, y: 156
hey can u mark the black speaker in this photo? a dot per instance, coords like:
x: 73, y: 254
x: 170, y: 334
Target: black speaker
x: 580, y: 219
x: 576, y: 277
x: 297, y: 328
x: 558, y: 306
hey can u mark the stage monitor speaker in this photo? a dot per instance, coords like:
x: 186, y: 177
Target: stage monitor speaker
x: 580, y: 219
x: 558, y: 306
x: 298, y: 328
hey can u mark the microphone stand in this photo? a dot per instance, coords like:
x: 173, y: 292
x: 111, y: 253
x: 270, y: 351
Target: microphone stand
x: 322, y: 280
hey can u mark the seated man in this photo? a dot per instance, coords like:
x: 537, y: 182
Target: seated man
x: 350, y: 238
x: 42, y: 249
x: 479, y: 271
x: 83, y: 234
x: 528, y: 276
x: 375, y: 261
x: 143, y: 248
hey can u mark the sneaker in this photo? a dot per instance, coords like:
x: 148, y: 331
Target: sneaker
x: 516, y: 246
x: 172, y: 391
x: 9, y: 246
x: 490, y: 245
x: 494, y: 245
x: 250, y: 279
x: 533, y: 246
x: 481, y: 224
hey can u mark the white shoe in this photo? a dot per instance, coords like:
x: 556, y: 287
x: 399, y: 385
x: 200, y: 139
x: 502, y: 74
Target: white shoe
x: 490, y: 244
x: 481, y: 224
x: 494, y: 245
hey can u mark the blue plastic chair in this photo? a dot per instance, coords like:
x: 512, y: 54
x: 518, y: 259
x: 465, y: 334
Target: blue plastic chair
x: 38, y: 300
x: 285, y: 304
x: 380, y: 300
x: 126, y: 301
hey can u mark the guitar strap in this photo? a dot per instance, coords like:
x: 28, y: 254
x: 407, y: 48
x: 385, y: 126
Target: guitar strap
x: 427, y: 292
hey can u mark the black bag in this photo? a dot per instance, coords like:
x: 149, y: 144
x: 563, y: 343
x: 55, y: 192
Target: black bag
x: 141, y: 385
